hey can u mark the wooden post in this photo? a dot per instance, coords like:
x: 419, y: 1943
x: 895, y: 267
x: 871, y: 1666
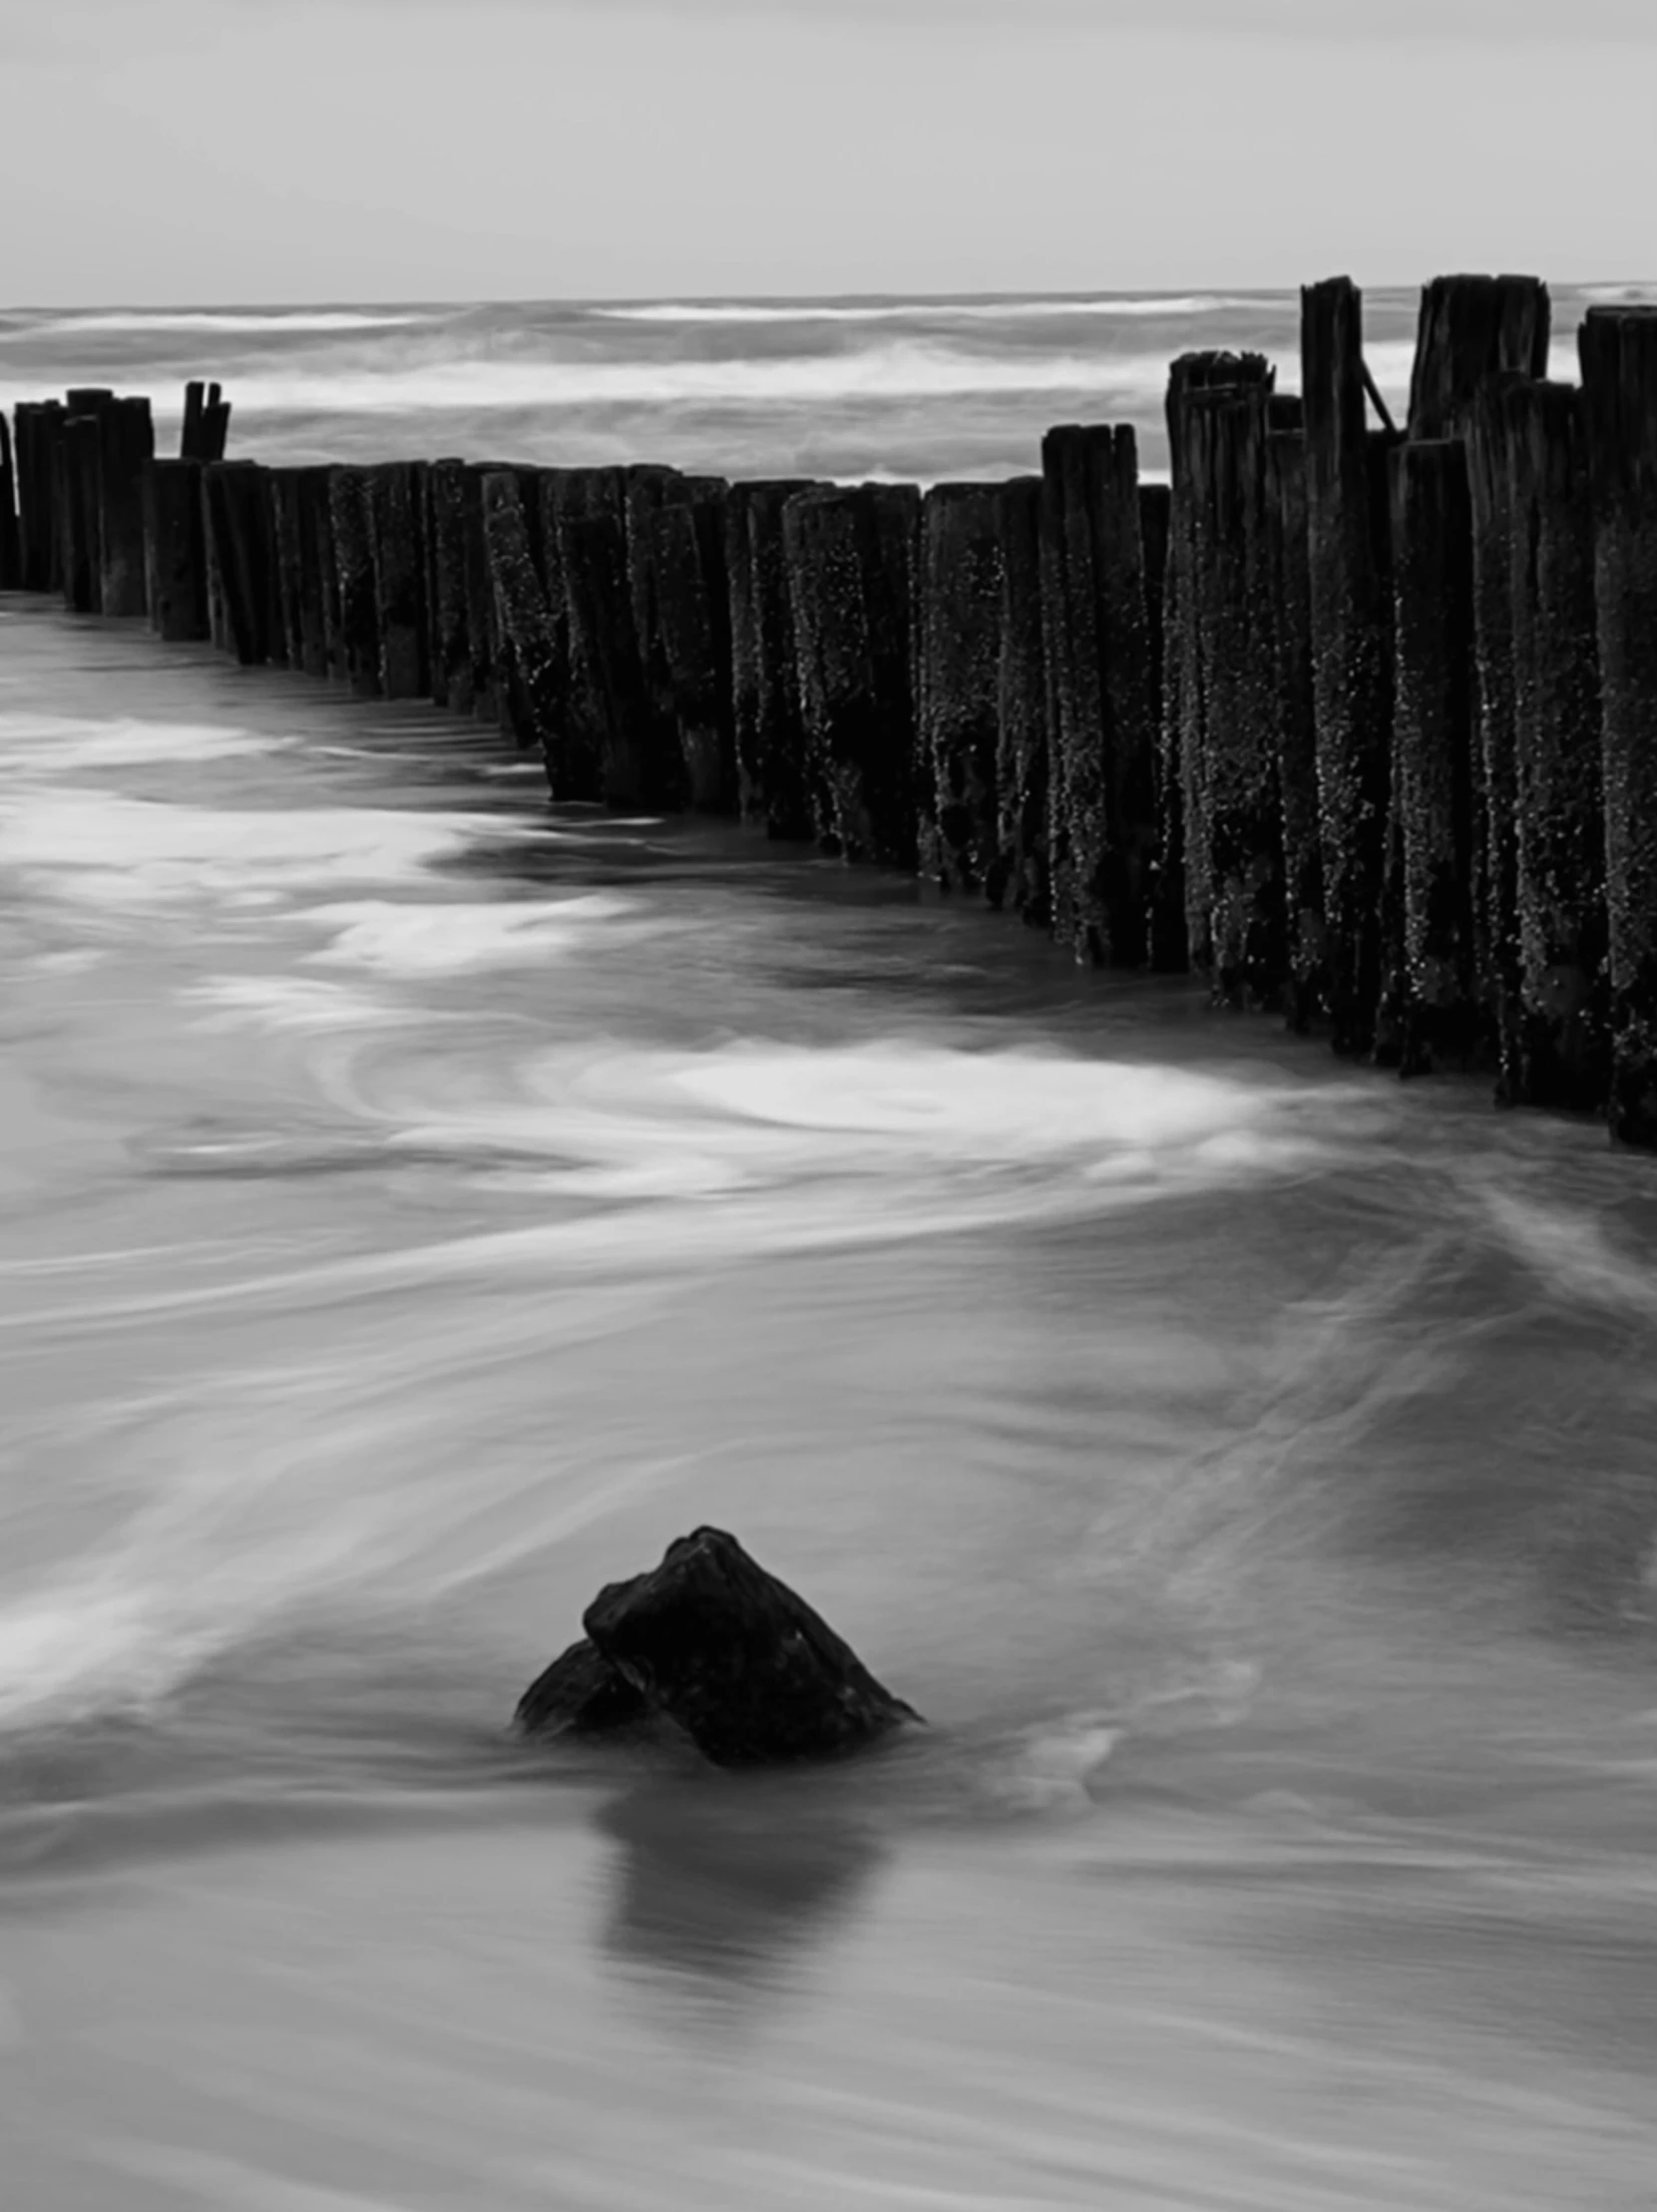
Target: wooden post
x: 647, y: 486
x: 853, y: 652
x: 1232, y: 787
x: 126, y: 440
x: 521, y: 604
x: 1022, y: 705
x: 692, y: 615
x: 606, y: 716
x: 1471, y: 327
x: 39, y: 435
x: 290, y: 564
x: 176, y: 583
x: 1494, y: 434
x: 1297, y: 749
x: 1563, y: 1055
x: 319, y: 583
x: 1182, y: 925
x: 1351, y: 654
x: 396, y: 505
x: 76, y: 504
x: 215, y: 555
x: 1433, y: 746
x: 11, y: 557
x: 235, y: 503
x: 1078, y: 830
x: 1618, y: 349
x: 215, y: 425
x: 959, y: 701
x: 451, y: 637
x: 772, y: 752
x: 479, y: 602
x: 189, y: 430
x: 348, y: 510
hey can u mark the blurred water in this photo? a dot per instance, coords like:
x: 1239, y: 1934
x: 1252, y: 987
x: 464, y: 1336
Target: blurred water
x: 420, y: 1205
x: 920, y: 389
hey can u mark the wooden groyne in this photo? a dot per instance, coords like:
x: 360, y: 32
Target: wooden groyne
x: 1358, y: 720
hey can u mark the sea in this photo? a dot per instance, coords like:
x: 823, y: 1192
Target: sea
x: 421, y: 1204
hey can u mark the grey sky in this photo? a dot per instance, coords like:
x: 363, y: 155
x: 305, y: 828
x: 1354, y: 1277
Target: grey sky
x: 241, y: 149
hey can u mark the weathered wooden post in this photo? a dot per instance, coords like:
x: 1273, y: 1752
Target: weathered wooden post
x: 126, y: 440
x: 396, y: 507
x: 176, y: 583
x: 80, y: 561
x: 359, y: 628
x: 1351, y: 654
x: 215, y: 425
x: 772, y: 755
x: 290, y: 562
x: 692, y: 617
x: 520, y: 607
x: 607, y: 720
x: 1562, y: 1053
x: 852, y: 644
x: 239, y: 519
x: 1022, y: 807
x: 647, y: 487
x: 479, y: 602
x: 1078, y: 830
x: 958, y: 692
x: 451, y: 636
x: 1471, y: 327
x: 1433, y: 747
x: 190, y: 429
x: 1184, y: 871
x: 319, y: 583
x: 1232, y: 787
x: 1618, y: 348
x: 1297, y: 751
x: 39, y: 435
x: 11, y: 557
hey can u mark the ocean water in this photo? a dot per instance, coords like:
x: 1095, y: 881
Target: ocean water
x: 420, y: 1204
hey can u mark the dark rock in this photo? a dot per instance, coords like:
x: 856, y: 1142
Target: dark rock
x: 579, y: 1694
x: 745, y: 1667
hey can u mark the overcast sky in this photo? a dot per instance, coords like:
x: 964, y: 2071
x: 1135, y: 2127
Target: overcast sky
x: 218, y: 150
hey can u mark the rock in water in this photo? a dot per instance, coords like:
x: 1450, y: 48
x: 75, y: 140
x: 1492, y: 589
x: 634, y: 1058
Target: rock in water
x: 579, y: 1694
x: 749, y: 1672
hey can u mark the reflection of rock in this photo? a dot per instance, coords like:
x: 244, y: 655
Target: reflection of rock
x: 581, y: 1694
x: 724, y: 1877
x: 747, y: 1669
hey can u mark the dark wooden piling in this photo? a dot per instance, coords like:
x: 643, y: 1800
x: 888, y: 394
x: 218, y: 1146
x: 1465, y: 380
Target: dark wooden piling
x: 80, y: 565
x: 215, y: 425
x: 239, y: 512
x: 175, y: 580
x: 524, y: 624
x: 190, y: 429
x: 775, y: 785
x: 353, y: 545
x: 11, y: 554
x: 1305, y: 990
x: 609, y: 736
x: 1232, y: 792
x: 318, y: 582
x: 852, y: 644
x: 1433, y: 746
x: 1618, y: 348
x: 1492, y: 434
x: 1181, y: 925
x: 39, y: 435
x: 692, y: 614
x: 646, y: 488
x: 1022, y: 708
x: 396, y: 517
x: 126, y: 441
x: 1079, y: 850
x: 451, y: 636
x: 958, y: 726
x: 480, y: 623
x: 1563, y: 1054
x: 290, y: 562
x: 1469, y: 328
x: 1351, y: 654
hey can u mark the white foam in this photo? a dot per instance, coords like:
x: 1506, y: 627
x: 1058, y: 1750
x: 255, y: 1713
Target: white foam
x: 101, y: 845
x: 52, y: 743
x: 279, y: 321
x: 398, y: 937
x: 895, y: 371
x: 916, y: 310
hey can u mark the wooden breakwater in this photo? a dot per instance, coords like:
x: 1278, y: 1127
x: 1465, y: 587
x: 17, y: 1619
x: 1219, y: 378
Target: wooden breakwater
x: 1356, y: 718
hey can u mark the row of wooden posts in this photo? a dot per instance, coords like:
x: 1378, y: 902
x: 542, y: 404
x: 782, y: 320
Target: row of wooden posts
x: 1360, y: 720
